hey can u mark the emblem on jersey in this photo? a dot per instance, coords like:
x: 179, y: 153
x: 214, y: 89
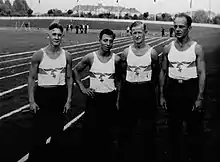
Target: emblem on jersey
x: 101, y: 76
x: 138, y: 69
x: 182, y: 65
x: 52, y: 72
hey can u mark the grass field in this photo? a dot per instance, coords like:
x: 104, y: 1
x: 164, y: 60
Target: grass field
x: 15, y: 130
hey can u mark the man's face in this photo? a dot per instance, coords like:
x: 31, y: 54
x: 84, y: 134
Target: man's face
x: 106, y: 42
x: 181, y: 28
x: 138, y: 33
x: 55, y: 36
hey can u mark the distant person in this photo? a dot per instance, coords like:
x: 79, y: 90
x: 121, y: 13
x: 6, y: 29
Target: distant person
x: 128, y: 29
x: 101, y: 111
x: 51, y: 96
x: 81, y: 28
x: 71, y: 27
x: 85, y: 29
x: 77, y: 29
x: 171, y: 31
x: 67, y: 27
x: 162, y: 31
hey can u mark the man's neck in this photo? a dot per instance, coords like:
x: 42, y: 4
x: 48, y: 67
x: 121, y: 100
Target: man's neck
x: 104, y: 53
x: 183, y: 41
x: 53, y: 49
x: 140, y: 45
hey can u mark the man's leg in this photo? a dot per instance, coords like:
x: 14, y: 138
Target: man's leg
x: 175, y: 126
x: 195, y: 134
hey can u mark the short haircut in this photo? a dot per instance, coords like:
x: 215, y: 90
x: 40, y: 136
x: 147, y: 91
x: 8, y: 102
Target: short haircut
x: 107, y: 32
x: 137, y: 23
x: 56, y: 25
x: 188, y: 18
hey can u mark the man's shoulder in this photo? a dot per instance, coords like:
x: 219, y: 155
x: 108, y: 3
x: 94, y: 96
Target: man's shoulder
x: 88, y: 58
x: 38, y: 55
x: 125, y: 53
x: 167, y: 47
x: 198, y: 49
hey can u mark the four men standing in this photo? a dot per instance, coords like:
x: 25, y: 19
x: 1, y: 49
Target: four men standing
x: 125, y: 83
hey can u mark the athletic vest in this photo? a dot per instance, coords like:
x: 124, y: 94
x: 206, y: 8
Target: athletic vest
x: 52, y: 71
x: 138, y: 67
x: 102, y: 75
x: 182, y: 64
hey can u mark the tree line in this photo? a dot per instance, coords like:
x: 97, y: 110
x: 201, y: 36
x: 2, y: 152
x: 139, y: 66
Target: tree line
x: 21, y: 8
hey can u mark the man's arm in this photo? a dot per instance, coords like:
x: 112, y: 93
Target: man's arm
x: 155, y: 66
x: 123, y: 63
x: 201, y: 70
x: 69, y: 76
x: 163, y: 73
x: 35, y: 61
x: 85, y: 62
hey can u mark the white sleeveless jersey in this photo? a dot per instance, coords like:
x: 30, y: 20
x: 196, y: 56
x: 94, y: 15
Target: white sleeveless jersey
x: 138, y: 67
x: 52, y: 71
x: 102, y: 75
x: 182, y: 64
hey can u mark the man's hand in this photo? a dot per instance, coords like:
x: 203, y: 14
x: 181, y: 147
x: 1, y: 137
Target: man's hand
x: 198, y: 105
x: 34, y: 107
x: 88, y: 91
x: 67, y: 107
x: 163, y: 103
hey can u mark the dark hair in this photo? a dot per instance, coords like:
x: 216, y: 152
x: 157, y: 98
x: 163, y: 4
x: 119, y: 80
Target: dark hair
x: 137, y: 23
x: 107, y: 32
x: 188, y: 18
x: 56, y: 25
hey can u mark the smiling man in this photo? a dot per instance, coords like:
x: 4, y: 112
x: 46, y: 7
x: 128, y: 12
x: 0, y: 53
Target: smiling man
x: 137, y: 96
x: 100, y: 113
x: 51, y: 66
x: 183, y: 74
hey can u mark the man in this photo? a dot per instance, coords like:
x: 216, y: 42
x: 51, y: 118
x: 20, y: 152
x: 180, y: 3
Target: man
x: 137, y: 96
x: 100, y: 113
x: 52, y: 66
x: 183, y: 74
x: 171, y: 31
x: 162, y: 31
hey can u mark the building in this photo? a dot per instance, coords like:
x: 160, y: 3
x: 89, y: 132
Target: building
x: 98, y: 9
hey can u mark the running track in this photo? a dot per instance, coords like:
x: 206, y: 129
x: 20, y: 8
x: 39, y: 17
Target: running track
x: 13, y: 82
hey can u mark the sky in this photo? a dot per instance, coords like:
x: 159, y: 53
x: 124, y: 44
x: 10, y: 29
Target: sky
x: 169, y: 6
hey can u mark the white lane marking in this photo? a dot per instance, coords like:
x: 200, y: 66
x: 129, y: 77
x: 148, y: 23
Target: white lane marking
x: 24, y: 85
x: 70, y: 46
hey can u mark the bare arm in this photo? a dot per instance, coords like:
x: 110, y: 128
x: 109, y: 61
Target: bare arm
x: 155, y: 66
x: 164, y: 69
x: 85, y: 62
x: 123, y: 64
x: 69, y: 76
x: 201, y: 70
x: 35, y: 61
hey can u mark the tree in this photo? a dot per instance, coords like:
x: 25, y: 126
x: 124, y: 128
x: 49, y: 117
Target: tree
x: 166, y: 17
x: 200, y: 16
x: 29, y: 12
x: 145, y: 15
x: 4, y: 10
x: 8, y: 3
x: 127, y: 16
x: 135, y: 17
x: 21, y: 7
x: 216, y: 19
x: 69, y: 12
x: 57, y: 12
x: 50, y: 12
